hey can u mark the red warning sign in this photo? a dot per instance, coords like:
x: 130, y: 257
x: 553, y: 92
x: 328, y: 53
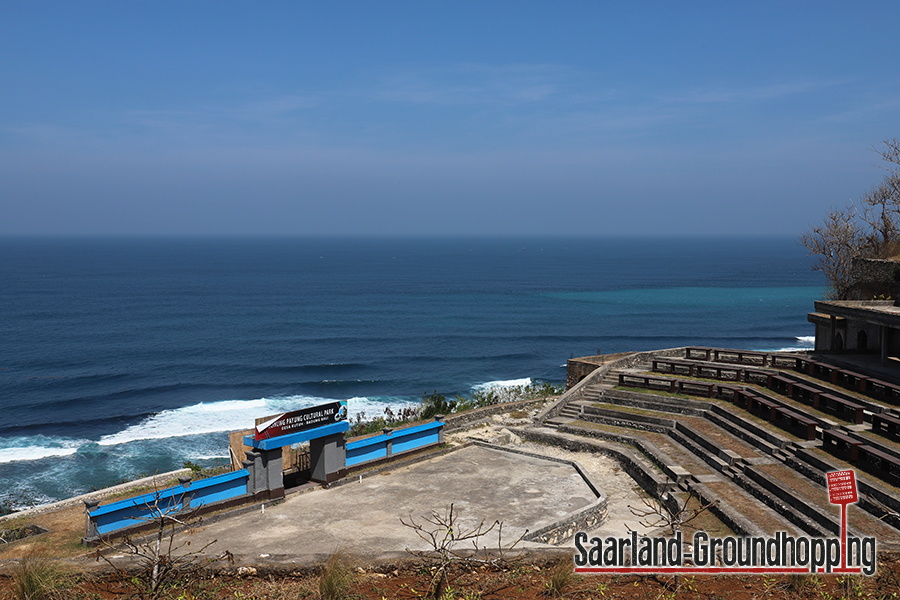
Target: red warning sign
x: 842, y: 487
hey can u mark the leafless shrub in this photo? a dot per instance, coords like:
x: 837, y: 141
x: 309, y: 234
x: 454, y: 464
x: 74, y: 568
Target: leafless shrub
x: 449, y: 543
x: 161, y: 558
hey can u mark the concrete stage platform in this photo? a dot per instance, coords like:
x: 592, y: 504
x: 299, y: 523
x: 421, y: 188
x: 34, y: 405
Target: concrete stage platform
x: 487, y: 484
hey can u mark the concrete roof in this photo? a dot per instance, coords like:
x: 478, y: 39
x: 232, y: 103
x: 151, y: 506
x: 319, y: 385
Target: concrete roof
x: 878, y: 312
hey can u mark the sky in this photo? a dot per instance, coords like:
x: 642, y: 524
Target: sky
x: 441, y: 118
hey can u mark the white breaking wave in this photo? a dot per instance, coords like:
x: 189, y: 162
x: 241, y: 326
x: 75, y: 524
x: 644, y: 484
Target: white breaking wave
x: 202, y: 418
x: 228, y: 415
x: 502, y: 384
x: 806, y: 342
x: 38, y: 448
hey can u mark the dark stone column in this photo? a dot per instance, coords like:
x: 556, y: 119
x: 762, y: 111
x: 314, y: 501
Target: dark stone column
x: 90, y: 528
x: 440, y: 418
x: 389, y: 446
x: 327, y: 458
x: 833, y: 321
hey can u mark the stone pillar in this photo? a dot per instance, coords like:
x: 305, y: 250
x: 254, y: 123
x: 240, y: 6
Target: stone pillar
x: 185, y: 481
x: 265, y: 473
x: 327, y: 458
x: 248, y: 465
x: 90, y: 528
x: 833, y: 322
x: 255, y: 468
x: 440, y: 419
x: 389, y: 445
x: 274, y: 467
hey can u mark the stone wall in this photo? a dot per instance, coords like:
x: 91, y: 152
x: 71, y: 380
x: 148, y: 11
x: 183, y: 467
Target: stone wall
x: 579, y: 368
x: 874, y: 277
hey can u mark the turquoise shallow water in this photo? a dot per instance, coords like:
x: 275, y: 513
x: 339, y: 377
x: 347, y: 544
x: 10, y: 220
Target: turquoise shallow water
x: 123, y: 357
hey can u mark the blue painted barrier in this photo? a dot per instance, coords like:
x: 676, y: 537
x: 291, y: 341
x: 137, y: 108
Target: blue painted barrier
x: 396, y: 442
x: 144, y: 509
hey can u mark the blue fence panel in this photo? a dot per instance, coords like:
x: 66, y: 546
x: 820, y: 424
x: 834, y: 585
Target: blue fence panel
x: 144, y: 509
x: 416, y: 437
x: 218, y: 488
x: 402, y: 440
x: 134, y: 511
x: 365, y: 450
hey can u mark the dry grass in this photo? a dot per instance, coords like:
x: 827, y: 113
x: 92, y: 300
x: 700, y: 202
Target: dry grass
x: 37, y: 577
x: 65, y: 530
x: 561, y: 577
x: 336, y: 578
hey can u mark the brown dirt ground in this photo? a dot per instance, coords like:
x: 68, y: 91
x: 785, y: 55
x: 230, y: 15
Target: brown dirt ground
x: 525, y: 579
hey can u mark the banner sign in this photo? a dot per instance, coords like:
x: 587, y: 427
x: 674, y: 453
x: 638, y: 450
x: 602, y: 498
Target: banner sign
x: 842, y: 487
x: 301, y: 420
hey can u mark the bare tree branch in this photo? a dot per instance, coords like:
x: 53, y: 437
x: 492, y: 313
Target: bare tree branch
x: 160, y: 557
x: 443, y: 534
x: 837, y: 241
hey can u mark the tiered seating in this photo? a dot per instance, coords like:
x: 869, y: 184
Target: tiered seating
x: 826, y: 402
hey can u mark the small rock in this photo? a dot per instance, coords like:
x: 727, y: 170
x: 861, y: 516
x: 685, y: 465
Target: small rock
x: 360, y: 570
x: 245, y: 571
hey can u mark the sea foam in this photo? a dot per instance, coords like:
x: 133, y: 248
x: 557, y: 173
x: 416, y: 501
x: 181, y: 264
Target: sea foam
x: 502, y: 384
x: 36, y: 448
x: 230, y: 415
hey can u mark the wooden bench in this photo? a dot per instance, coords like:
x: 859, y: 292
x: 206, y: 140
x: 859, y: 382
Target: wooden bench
x: 742, y: 397
x: 719, y: 372
x: 845, y: 409
x: 723, y: 355
x: 841, y: 445
x: 742, y: 357
x: 649, y: 382
x: 781, y: 385
x: 879, y: 463
x: 667, y: 384
x: 696, y: 388
x: 692, y: 352
x: 852, y: 381
x: 693, y: 369
x: 886, y: 425
x: 728, y: 392
x: 674, y: 367
x: 806, y: 394
x: 882, y: 390
x: 794, y: 422
x: 762, y: 407
x: 804, y: 365
x: 756, y: 376
x: 783, y: 361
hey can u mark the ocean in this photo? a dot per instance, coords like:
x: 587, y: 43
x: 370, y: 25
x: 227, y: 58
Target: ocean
x: 125, y: 357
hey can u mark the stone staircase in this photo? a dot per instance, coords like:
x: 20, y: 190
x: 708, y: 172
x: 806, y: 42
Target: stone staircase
x: 723, y: 420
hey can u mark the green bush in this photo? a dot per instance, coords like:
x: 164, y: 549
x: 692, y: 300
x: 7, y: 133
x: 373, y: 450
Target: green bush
x: 436, y: 404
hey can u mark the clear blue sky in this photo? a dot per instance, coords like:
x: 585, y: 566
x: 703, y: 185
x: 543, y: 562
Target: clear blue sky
x: 132, y: 118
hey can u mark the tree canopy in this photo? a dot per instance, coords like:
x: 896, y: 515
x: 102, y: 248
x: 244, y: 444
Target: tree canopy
x: 869, y: 228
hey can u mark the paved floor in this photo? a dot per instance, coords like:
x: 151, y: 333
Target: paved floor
x: 364, y: 518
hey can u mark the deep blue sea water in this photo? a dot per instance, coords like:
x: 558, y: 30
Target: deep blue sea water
x: 125, y: 357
